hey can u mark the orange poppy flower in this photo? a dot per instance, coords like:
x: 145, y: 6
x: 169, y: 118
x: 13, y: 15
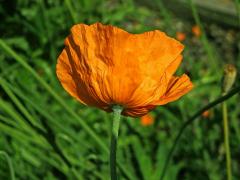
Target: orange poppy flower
x: 180, y: 36
x: 196, y: 31
x: 147, y: 120
x: 102, y: 65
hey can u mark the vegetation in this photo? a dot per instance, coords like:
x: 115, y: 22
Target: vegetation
x: 46, y: 134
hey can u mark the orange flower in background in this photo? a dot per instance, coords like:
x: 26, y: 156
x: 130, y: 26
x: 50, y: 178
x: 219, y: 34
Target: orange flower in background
x: 147, y: 120
x: 206, y: 114
x: 180, y: 36
x: 102, y: 65
x: 196, y: 31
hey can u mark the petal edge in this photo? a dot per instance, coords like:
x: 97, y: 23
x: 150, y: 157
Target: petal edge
x: 177, y: 87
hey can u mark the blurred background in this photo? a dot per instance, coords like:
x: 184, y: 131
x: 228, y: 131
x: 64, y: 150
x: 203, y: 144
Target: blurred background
x: 46, y: 134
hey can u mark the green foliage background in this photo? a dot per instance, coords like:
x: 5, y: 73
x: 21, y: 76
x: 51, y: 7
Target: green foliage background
x: 48, y: 135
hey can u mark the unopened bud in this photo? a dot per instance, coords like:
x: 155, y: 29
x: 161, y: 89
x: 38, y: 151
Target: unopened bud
x: 229, y: 77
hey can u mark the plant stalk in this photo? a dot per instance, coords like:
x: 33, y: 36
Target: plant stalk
x: 113, y: 149
x: 226, y: 140
x: 191, y: 120
x: 12, y: 174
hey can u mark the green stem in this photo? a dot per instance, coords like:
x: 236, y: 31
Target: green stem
x: 226, y: 140
x: 115, y: 128
x: 190, y: 121
x: 9, y: 164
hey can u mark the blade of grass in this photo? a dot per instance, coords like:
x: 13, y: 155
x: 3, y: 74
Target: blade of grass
x: 70, y: 9
x: 3, y: 153
x: 143, y: 159
x: 42, y: 111
x: 206, y: 45
x: 7, y: 70
x: 8, y: 121
x: 20, y: 106
x: 73, y: 161
x: 18, y: 135
x: 22, y: 124
x: 46, y: 133
x: 47, y: 27
x: 237, y: 4
x: 76, y: 174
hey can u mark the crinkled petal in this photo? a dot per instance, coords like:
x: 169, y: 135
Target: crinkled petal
x: 73, y: 83
x: 157, y: 58
x: 139, y: 111
x: 165, y: 79
x: 103, y: 65
x: 177, y: 87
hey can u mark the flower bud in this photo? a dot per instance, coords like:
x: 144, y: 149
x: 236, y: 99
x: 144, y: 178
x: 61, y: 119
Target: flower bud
x: 229, y: 77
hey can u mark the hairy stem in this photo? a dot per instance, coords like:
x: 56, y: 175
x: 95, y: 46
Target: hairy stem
x: 115, y: 128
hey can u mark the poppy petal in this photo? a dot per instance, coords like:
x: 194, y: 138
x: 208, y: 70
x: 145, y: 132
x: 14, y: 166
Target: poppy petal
x: 102, y: 65
x: 138, y: 111
x: 72, y: 82
x: 177, y: 87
